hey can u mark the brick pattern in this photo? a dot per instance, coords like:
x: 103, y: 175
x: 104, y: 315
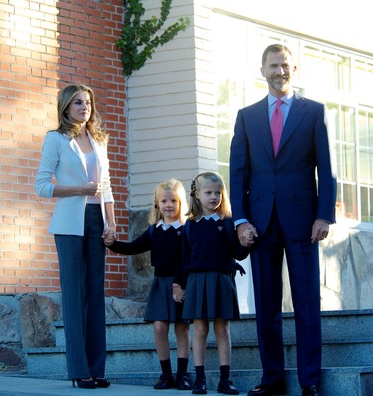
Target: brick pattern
x: 45, y: 45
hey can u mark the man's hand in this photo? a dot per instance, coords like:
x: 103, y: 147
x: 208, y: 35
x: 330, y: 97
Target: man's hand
x: 320, y: 230
x: 246, y: 233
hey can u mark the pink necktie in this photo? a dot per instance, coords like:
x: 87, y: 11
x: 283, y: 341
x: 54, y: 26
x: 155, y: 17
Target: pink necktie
x: 276, y: 126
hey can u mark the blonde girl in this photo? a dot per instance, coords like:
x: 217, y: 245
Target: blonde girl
x: 164, y: 240
x: 210, y: 247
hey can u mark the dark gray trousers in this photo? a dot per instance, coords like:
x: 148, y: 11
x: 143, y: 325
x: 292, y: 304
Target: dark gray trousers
x: 82, y: 275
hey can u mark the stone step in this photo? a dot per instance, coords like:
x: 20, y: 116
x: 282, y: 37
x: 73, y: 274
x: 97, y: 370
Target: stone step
x: 347, y: 341
x: 125, y: 358
x: 337, y: 327
x: 132, y: 359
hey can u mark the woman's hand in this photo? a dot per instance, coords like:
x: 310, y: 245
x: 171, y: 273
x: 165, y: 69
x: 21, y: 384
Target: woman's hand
x: 110, y: 234
x: 91, y: 188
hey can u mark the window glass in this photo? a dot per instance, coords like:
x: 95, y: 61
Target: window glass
x: 350, y: 201
x: 366, y: 197
x: 365, y: 168
x: 363, y: 77
x: 348, y: 162
x: 364, y: 128
x: 324, y: 69
x: 333, y: 121
x: 348, y: 127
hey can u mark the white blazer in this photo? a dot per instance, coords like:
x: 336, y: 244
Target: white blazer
x: 61, y: 157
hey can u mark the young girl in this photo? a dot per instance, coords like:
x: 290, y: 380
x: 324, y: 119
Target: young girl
x: 163, y: 239
x: 210, y: 246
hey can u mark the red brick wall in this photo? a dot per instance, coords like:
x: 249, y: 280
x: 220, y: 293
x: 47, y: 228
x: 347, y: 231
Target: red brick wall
x: 46, y: 45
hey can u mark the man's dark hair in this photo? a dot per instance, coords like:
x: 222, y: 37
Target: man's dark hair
x: 274, y: 48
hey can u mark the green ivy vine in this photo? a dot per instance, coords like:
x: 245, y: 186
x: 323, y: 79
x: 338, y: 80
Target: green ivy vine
x: 139, y: 39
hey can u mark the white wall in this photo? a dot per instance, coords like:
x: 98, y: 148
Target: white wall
x: 171, y: 105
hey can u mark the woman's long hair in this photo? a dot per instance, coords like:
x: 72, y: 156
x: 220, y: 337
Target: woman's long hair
x: 68, y: 127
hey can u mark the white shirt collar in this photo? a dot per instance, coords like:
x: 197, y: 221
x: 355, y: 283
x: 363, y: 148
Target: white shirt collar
x: 176, y: 224
x: 213, y: 216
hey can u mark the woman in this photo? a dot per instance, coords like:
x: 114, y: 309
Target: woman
x: 75, y: 154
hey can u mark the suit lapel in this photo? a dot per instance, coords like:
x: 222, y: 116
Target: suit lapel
x: 263, y: 126
x: 260, y: 123
x: 295, y: 116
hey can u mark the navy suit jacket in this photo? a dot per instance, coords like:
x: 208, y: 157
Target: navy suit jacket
x: 258, y: 181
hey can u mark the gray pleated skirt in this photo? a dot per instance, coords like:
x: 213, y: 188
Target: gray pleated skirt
x: 161, y: 305
x: 211, y: 295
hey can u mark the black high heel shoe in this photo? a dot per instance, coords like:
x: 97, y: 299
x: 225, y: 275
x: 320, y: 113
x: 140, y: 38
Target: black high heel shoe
x: 101, y: 382
x: 86, y: 383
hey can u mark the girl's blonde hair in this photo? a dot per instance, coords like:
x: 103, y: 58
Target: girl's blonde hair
x: 195, y: 208
x: 169, y: 185
x: 66, y: 126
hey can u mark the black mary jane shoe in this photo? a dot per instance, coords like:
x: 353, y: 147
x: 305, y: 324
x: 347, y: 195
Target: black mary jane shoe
x: 199, y: 387
x: 101, y: 382
x: 165, y: 382
x: 312, y: 390
x: 183, y: 382
x: 227, y: 387
x: 85, y: 383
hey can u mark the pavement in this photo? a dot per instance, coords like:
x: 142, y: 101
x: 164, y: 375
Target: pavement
x: 24, y: 386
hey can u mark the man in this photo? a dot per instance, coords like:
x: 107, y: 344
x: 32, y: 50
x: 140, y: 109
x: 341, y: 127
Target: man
x: 279, y: 208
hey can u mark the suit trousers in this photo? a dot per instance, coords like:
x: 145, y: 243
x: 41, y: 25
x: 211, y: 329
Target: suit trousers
x: 304, y: 275
x: 82, y: 275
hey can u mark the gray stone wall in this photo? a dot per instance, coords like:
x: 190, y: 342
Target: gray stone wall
x: 346, y: 265
x: 346, y: 270
x: 26, y: 321
x: 140, y: 272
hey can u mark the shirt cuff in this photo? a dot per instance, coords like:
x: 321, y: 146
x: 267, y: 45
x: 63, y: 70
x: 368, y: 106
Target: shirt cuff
x: 240, y: 221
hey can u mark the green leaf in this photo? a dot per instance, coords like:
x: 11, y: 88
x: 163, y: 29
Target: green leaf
x: 139, y: 38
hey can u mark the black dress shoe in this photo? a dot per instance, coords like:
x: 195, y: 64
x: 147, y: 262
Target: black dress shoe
x: 199, y: 387
x: 278, y: 388
x: 85, y: 383
x: 312, y: 390
x: 183, y: 382
x: 227, y: 388
x: 101, y: 382
x: 165, y: 382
